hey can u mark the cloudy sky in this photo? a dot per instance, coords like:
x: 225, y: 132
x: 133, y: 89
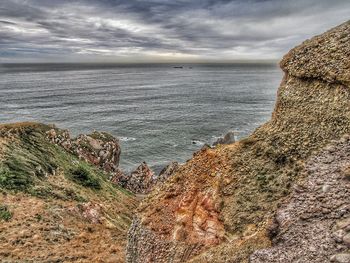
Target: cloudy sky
x: 160, y: 30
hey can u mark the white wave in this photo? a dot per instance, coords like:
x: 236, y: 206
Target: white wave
x: 127, y: 139
x: 197, y: 142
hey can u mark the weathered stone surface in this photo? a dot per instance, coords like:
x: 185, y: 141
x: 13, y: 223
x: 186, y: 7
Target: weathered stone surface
x: 197, y: 218
x: 143, y: 179
x: 340, y: 258
x: 306, y: 220
x: 324, y: 57
x: 167, y: 171
x: 91, y: 212
x: 346, y: 240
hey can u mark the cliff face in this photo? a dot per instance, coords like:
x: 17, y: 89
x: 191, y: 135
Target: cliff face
x: 56, y: 207
x: 221, y: 205
x: 313, y: 224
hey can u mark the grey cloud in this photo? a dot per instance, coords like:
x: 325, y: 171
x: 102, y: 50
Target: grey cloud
x: 157, y: 29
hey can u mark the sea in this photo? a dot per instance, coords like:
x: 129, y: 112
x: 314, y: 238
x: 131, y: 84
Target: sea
x: 160, y: 112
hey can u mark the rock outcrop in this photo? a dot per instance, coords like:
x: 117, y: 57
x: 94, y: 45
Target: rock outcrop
x: 103, y: 150
x: 221, y: 205
x: 143, y: 179
x: 140, y: 181
x: 227, y: 139
x: 98, y: 148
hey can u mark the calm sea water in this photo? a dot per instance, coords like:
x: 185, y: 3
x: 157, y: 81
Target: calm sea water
x: 160, y: 113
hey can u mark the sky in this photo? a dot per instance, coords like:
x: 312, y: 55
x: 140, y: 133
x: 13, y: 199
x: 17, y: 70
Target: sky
x: 126, y: 31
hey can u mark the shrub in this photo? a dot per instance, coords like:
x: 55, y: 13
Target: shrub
x: 14, y: 179
x: 5, y: 213
x: 81, y: 175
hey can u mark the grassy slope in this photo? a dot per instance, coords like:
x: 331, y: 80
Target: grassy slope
x: 42, y: 187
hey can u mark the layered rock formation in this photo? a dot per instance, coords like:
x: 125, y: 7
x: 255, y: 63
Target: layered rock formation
x: 221, y: 205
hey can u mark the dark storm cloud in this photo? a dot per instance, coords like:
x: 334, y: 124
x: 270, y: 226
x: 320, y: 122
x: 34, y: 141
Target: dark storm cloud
x: 125, y: 30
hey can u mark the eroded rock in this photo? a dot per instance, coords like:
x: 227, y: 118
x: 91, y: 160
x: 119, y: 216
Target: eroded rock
x: 92, y: 212
x: 140, y: 181
x: 197, y: 219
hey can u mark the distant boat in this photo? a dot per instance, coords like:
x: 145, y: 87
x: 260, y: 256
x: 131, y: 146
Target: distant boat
x: 178, y: 67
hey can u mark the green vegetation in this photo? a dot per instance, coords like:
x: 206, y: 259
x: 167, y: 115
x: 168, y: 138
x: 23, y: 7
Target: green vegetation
x: 103, y: 136
x: 83, y: 176
x: 31, y: 164
x: 38, y: 217
x: 5, y: 213
x: 27, y: 160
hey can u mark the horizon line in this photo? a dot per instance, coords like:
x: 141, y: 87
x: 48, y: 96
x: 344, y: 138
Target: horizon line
x: 246, y: 61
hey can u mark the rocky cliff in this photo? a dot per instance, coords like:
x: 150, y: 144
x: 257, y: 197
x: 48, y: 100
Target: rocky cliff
x: 276, y: 196
x: 103, y: 151
x: 98, y: 148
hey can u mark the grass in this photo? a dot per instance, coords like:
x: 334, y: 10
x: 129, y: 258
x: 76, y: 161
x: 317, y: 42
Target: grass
x: 31, y: 159
x: 31, y: 164
x: 14, y: 180
x: 32, y: 168
x: 5, y: 213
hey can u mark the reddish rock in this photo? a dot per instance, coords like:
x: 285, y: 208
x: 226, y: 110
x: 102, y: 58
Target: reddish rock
x: 140, y: 181
x: 197, y: 219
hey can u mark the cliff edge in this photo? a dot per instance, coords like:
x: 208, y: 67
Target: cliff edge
x: 234, y: 203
